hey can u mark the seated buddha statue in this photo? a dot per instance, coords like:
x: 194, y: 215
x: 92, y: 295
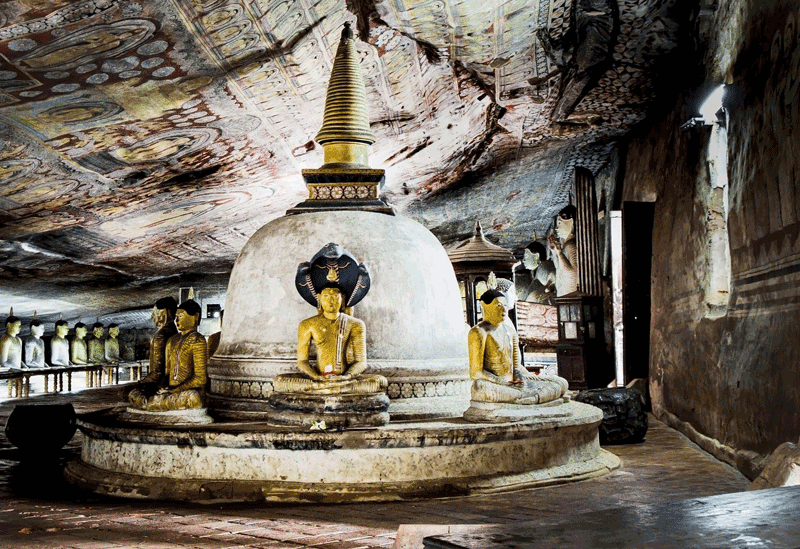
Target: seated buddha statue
x: 59, y: 346
x: 163, y: 318
x: 34, y: 346
x: 494, y: 360
x: 95, y: 346
x: 185, y: 366
x: 77, y: 348
x: 111, y: 344
x: 11, y: 345
x: 333, y: 282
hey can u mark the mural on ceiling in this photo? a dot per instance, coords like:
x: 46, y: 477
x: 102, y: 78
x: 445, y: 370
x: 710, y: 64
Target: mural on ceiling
x: 183, y: 124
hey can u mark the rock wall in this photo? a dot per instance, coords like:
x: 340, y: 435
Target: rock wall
x: 724, y: 364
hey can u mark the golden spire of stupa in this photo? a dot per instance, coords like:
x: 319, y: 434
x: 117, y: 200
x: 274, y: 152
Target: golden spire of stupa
x: 345, y: 133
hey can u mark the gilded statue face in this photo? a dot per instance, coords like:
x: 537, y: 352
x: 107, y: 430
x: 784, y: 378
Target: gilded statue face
x: 99, y: 332
x: 184, y: 321
x: 160, y: 317
x: 564, y: 227
x: 495, y: 312
x: 14, y: 328
x: 80, y: 332
x: 61, y: 331
x: 113, y: 332
x: 330, y: 299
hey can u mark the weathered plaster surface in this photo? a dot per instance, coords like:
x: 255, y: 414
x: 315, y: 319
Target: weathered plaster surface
x: 730, y: 379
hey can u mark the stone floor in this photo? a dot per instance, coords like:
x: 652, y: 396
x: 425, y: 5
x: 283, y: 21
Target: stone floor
x: 37, y: 509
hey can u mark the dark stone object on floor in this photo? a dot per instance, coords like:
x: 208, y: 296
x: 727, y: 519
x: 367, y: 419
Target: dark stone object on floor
x: 624, y: 413
x: 41, y: 428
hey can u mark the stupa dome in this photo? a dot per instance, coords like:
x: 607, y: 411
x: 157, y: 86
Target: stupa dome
x: 416, y: 335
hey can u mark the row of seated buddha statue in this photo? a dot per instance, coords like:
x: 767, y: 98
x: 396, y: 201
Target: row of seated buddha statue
x: 16, y: 354
x: 331, y: 388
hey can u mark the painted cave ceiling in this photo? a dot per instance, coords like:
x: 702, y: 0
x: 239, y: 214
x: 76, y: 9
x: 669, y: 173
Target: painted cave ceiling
x: 142, y: 143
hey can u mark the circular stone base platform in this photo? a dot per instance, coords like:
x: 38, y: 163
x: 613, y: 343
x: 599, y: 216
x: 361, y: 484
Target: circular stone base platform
x: 251, y: 462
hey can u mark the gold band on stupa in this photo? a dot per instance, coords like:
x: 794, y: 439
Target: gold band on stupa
x: 345, y: 132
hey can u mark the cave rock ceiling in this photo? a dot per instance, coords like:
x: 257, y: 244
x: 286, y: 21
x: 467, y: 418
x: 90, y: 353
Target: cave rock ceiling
x: 142, y: 142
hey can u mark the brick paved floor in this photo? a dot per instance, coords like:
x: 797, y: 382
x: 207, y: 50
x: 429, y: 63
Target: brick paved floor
x: 38, y: 509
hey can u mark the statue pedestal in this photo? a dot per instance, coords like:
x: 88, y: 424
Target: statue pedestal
x: 190, y: 416
x: 501, y: 412
x: 254, y: 462
x: 341, y: 411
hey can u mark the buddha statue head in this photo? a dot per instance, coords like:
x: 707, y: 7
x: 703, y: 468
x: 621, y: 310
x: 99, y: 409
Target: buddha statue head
x: 80, y: 330
x: 13, y: 325
x: 164, y: 312
x: 37, y: 328
x: 62, y: 328
x: 495, y: 307
x: 535, y: 254
x: 187, y: 317
x: 333, y: 268
x: 98, y: 330
x: 565, y: 222
x: 113, y: 330
x: 330, y: 300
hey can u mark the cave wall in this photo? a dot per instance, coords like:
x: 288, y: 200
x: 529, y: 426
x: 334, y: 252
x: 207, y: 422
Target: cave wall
x: 724, y: 366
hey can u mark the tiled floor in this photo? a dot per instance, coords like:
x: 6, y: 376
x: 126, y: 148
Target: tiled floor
x: 37, y: 509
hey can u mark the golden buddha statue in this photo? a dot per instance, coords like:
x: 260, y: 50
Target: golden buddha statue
x: 34, y: 345
x: 494, y: 360
x: 95, y: 346
x: 11, y: 345
x: 59, y: 346
x: 111, y: 344
x: 163, y: 318
x: 77, y: 348
x: 334, y: 283
x: 185, y: 367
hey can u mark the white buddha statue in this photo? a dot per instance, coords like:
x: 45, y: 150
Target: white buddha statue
x: 95, y: 346
x: 77, y: 348
x: 34, y: 346
x: 565, y: 252
x: 11, y: 345
x: 112, y: 344
x: 59, y: 346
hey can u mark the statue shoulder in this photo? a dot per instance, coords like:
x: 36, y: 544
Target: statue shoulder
x: 195, y: 337
x: 352, y: 320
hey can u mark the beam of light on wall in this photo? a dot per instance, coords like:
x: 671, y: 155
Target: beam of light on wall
x: 713, y: 103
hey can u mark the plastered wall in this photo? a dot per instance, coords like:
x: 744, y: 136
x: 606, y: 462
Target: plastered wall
x: 725, y: 366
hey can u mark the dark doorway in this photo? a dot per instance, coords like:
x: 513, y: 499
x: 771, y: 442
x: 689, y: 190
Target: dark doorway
x: 637, y: 258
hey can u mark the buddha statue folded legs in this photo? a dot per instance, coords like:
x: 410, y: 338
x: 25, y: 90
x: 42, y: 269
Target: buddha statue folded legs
x: 534, y: 389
